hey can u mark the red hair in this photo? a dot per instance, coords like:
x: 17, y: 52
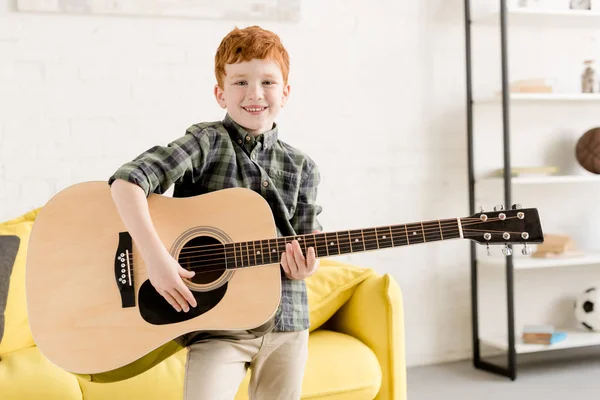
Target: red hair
x: 249, y: 43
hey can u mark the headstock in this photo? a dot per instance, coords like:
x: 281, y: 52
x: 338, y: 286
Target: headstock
x: 506, y: 227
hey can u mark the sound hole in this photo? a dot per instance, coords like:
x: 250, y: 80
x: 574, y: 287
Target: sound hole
x: 205, y: 256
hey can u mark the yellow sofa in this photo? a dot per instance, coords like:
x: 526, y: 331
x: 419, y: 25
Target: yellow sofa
x: 356, y: 343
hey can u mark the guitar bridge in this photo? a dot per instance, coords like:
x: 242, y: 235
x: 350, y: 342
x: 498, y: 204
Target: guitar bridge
x: 124, y: 270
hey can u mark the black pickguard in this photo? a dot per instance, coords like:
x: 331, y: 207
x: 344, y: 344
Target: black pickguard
x: 157, y: 311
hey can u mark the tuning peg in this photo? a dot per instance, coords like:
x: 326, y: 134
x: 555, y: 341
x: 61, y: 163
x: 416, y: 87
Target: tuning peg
x: 499, y: 207
x: 516, y: 206
x: 507, y: 251
x: 526, y: 250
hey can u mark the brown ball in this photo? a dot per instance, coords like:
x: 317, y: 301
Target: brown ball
x: 587, y: 150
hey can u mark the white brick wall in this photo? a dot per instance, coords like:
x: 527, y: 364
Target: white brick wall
x: 377, y: 100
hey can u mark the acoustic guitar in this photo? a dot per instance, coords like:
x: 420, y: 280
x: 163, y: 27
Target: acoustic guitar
x: 93, y: 311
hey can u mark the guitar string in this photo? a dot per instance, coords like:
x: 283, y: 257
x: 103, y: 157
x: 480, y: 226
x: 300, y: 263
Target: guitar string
x: 434, y: 227
x: 222, y: 267
x: 320, y: 240
x: 358, y: 232
x: 247, y: 253
x: 250, y: 251
x: 222, y: 257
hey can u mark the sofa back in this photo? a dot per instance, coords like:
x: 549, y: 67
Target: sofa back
x: 14, y: 327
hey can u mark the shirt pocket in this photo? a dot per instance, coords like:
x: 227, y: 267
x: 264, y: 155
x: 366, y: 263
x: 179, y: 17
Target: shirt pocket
x: 287, y: 185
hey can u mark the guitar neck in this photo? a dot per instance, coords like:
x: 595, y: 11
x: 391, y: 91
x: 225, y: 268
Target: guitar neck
x: 261, y: 252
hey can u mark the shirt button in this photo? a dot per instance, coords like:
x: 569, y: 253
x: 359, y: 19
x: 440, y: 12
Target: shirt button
x: 265, y: 183
x: 253, y: 156
x: 240, y: 141
x: 247, y: 138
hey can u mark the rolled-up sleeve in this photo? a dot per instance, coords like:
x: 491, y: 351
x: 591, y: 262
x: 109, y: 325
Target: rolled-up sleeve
x: 158, y: 168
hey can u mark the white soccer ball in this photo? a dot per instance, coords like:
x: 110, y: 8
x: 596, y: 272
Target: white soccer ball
x: 587, y: 309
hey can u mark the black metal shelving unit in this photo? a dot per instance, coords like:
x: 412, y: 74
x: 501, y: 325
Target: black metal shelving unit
x: 510, y: 369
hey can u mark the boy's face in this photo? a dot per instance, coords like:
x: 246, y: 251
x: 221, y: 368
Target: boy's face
x: 253, y: 93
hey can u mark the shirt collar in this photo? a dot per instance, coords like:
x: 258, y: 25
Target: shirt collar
x: 240, y: 135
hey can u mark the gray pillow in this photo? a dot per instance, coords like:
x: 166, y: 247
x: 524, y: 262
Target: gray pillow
x: 9, y: 246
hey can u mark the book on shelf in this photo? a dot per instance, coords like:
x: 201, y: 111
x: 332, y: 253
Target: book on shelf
x: 527, y: 171
x: 542, y: 334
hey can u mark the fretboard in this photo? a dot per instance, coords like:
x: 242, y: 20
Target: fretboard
x: 269, y: 251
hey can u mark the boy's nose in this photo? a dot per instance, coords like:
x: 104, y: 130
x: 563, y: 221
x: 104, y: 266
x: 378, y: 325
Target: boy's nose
x: 255, y: 92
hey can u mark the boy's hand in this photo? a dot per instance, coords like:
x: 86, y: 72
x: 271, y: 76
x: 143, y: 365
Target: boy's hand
x: 295, y: 265
x: 165, y: 275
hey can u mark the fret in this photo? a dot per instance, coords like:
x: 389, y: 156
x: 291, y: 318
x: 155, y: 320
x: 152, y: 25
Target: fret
x: 311, y: 242
x: 321, y: 245
x: 384, y: 240
x: 441, y: 232
x: 259, y: 258
x: 450, y: 228
x: 239, y: 256
x: 344, y: 242
x: 247, y: 252
x: 415, y: 233
x: 280, y: 248
x: 423, y: 230
x: 392, y: 236
x: 331, y: 243
x: 302, y: 242
x: 229, y: 257
x: 370, y: 237
x: 272, y: 251
x: 278, y: 251
x: 430, y: 232
x: 406, y: 231
x: 356, y: 240
x: 253, y: 252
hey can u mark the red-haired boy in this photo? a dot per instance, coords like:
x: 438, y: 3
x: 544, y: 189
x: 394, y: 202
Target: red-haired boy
x: 242, y: 150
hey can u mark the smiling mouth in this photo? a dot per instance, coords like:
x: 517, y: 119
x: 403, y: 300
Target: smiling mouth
x: 254, y: 109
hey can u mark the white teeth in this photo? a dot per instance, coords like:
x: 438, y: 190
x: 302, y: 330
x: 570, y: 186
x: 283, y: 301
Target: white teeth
x: 255, y: 109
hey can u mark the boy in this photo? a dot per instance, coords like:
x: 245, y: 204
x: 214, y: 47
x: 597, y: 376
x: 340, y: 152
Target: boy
x: 251, y: 67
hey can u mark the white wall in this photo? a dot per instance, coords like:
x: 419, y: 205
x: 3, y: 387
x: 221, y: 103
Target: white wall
x: 378, y: 100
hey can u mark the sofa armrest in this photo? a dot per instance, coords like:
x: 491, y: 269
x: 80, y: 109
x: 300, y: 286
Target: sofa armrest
x: 374, y: 315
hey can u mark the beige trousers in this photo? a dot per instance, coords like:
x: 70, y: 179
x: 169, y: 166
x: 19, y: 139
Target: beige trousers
x: 216, y: 367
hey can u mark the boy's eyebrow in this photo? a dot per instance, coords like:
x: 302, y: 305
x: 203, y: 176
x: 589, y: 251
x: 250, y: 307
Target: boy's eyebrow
x: 240, y: 75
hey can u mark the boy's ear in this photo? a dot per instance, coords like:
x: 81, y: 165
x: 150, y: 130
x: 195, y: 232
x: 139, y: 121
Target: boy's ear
x: 220, y: 96
x: 286, y: 95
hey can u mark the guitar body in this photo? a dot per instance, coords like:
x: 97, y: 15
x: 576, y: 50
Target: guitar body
x: 92, y: 309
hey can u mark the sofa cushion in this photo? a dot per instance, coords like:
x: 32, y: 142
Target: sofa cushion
x: 330, y: 287
x: 17, y: 334
x: 27, y: 374
x: 161, y: 382
x: 9, y: 246
x: 339, y: 367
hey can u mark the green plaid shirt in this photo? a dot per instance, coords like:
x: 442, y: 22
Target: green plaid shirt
x: 218, y: 155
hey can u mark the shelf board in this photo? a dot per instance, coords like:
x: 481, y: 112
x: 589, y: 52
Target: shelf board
x: 545, y: 18
x: 544, y: 179
x: 574, y: 339
x: 528, y: 262
x: 542, y: 97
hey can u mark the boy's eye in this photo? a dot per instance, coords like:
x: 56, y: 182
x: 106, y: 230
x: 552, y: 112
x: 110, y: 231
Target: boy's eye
x: 240, y: 83
x: 269, y: 82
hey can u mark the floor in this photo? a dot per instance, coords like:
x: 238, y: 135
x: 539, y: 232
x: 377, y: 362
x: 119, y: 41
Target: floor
x: 567, y: 379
